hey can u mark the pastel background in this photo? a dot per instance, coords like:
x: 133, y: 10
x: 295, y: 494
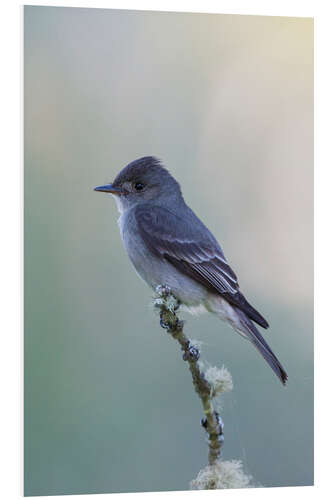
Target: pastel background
x: 227, y: 103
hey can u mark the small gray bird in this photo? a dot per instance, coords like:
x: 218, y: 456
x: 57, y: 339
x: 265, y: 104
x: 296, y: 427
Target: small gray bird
x: 169, y: 245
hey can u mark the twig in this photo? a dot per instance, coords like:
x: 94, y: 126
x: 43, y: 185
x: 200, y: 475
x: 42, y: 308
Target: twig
x: 212, y: 423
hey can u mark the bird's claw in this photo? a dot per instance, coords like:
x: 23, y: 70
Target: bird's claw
x: 163, y: 291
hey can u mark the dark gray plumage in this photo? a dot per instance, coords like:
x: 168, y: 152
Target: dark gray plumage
x: 168, y: 244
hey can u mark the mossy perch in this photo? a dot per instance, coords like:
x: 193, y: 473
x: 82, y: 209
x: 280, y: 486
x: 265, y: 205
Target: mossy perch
x: 212, y: 423
x: 218, y: 474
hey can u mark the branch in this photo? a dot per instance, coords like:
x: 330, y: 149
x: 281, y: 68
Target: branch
x: 218, y: 474
x: 212, y: 423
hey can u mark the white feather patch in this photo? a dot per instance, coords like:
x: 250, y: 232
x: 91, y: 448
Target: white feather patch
x: 195, y: 310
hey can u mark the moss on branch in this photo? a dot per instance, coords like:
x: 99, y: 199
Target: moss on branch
x: 207, y: 384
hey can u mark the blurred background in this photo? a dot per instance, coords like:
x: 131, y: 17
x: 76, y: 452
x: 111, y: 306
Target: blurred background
x: 227, y: 103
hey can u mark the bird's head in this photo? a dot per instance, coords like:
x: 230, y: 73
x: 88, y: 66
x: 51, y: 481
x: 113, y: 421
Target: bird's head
x: 140, y: 181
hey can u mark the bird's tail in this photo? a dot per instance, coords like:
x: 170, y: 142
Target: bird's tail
x: 259, y: 342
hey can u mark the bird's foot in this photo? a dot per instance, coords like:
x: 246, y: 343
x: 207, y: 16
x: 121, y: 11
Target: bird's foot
x: 163, y: 291
x: 165, y: 299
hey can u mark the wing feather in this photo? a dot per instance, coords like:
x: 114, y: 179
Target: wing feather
x: 193, y: 250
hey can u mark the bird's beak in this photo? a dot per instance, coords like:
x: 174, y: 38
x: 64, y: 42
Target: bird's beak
x: 108, y: 188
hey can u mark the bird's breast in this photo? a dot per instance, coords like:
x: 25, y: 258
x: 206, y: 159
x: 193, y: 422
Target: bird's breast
x: 154, y: 269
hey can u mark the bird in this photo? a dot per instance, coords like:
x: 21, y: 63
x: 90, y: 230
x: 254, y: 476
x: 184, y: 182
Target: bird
x: 169, y: 245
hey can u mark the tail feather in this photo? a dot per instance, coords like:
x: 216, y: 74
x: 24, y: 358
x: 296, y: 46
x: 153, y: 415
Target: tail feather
x: 259, y: 342
x: 238, y: 300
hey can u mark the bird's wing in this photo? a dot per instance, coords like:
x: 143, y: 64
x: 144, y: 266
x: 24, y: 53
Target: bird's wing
x: 193, y: 250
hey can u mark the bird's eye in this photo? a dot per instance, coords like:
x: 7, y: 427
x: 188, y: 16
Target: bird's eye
x: 138, y: 186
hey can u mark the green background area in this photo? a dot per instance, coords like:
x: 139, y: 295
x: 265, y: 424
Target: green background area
x: 227, y: 103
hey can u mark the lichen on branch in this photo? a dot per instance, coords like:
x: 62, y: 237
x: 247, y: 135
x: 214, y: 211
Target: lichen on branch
x: 208, y: 383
